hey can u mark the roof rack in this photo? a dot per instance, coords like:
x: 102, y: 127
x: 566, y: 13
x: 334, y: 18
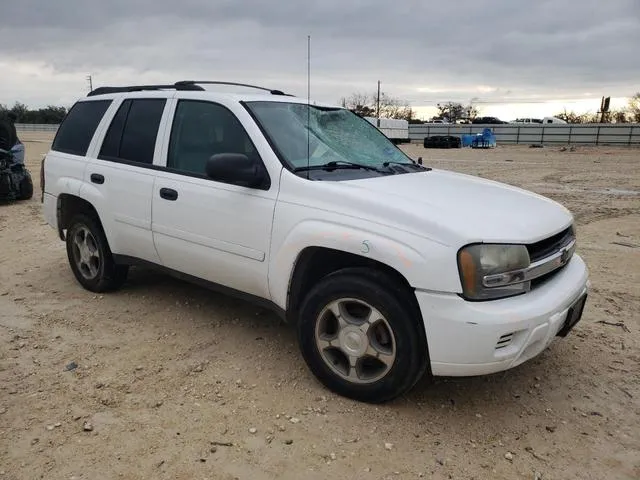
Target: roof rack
x: 139, y: 88
x: 188, y: 85
x: 215, y: 82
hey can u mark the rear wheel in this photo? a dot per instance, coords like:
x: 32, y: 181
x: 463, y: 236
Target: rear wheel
x: 90, y: 257
x: 361, y: 338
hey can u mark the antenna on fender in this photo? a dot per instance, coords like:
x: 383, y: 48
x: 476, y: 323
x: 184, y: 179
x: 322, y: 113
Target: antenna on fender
x: 308, y: 103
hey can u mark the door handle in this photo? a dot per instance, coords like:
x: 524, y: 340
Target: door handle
x: 97, y: 178
x: 168, y: 194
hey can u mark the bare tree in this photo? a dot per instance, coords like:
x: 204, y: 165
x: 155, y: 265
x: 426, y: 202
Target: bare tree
x: 634, y: 107
x: 619, y: 116
x: 453, y: 111
x: 573, y: 117
x: 366, y: 106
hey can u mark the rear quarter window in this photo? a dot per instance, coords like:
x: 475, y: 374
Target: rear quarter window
x: 76, y: 131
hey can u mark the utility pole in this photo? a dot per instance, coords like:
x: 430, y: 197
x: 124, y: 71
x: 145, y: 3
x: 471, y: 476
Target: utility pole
x: 90, y: 80
x: 378, y: 105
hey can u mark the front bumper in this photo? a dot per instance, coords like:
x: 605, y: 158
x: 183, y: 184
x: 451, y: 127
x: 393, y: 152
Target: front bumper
x: 476, y: 338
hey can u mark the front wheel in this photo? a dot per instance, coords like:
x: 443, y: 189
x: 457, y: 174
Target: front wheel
x: 361, y: 338
x: 90, y: 257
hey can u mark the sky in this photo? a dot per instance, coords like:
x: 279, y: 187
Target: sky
x: 510, y: 57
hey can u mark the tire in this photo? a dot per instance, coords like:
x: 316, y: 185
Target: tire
x: 90, y: 257
x: 404, y: 350
x: 25, y: 187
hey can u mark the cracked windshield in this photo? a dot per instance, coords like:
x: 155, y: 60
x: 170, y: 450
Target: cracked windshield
x: 335, y: 135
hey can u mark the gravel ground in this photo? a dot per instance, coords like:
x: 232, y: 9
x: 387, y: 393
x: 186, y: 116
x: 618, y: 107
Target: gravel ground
x: 175, y: 382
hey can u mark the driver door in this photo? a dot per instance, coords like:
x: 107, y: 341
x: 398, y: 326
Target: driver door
x: 209, y: 229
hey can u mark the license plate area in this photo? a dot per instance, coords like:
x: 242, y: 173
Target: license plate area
x: 574, y: 314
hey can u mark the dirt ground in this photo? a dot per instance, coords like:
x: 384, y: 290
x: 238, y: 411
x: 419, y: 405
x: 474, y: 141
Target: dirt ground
x: 172, y: 380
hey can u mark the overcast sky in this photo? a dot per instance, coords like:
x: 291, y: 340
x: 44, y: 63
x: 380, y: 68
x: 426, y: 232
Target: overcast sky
x: 504, y: 52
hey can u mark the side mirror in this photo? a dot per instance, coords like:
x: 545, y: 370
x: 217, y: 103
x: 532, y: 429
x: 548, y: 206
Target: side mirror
x: 236, y: 169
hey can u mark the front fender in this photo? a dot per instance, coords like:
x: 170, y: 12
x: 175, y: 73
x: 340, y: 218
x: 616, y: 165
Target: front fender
x: 423, y: 263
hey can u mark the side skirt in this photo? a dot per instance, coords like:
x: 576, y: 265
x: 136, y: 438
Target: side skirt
x: 216, y: 287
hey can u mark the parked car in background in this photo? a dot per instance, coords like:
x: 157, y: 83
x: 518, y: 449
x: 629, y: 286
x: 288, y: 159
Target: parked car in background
x: 487, y: 121
x: 439, y: 121
x: 538, y: 121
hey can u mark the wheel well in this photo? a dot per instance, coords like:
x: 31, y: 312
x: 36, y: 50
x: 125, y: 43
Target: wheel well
x: 70, y: 205
x: 314, y: 263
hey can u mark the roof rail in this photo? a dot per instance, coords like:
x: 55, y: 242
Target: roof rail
x: 214, y: 82
x: 139, y: 88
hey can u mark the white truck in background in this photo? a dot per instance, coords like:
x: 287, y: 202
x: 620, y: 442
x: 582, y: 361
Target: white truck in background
x: 538, y: 121
x: 394, y: 129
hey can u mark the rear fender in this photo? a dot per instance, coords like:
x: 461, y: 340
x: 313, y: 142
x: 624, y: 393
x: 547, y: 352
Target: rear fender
x: 96, y: 198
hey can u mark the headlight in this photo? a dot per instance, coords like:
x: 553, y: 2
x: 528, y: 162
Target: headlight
x: 493, y: 271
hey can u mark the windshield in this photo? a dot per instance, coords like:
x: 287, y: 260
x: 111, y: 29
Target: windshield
x: 335, y: 135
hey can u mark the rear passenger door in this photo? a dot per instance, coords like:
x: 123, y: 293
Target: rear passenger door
x: 121, y: 177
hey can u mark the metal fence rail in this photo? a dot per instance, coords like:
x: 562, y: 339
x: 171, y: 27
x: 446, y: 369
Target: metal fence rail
x: 37, y: 127
x: 587, y: 134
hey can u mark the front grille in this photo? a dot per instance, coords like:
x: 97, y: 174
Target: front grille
x: 536, y: 282
x: 551, y: 245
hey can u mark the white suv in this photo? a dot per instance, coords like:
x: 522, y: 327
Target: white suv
x: 388, y: 269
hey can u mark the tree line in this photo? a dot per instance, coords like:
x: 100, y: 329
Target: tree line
x: 367, y: 105
x: 50, y: 114
x: 628, y: 114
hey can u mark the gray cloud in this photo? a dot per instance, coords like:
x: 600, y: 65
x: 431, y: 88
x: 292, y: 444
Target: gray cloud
x: 425, y: 52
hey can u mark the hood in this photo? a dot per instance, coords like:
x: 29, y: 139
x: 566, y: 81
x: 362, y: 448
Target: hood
x: 447, y: 207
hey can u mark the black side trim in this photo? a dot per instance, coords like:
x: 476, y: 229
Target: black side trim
x: 133, y: 163
x: 232, y: 292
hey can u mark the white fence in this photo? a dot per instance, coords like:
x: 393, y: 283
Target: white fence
x: 36, y: 127
x: 587, y: 134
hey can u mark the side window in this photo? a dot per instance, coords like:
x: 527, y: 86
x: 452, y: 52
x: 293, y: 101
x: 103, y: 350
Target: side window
x: 111, y: 144
x: 78, y: 127
x: 202, y: 129
x: 131, y: 137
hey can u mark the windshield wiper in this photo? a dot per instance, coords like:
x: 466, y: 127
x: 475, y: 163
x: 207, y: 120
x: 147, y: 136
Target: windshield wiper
x: 337, y: 164
x: 406, y: 164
